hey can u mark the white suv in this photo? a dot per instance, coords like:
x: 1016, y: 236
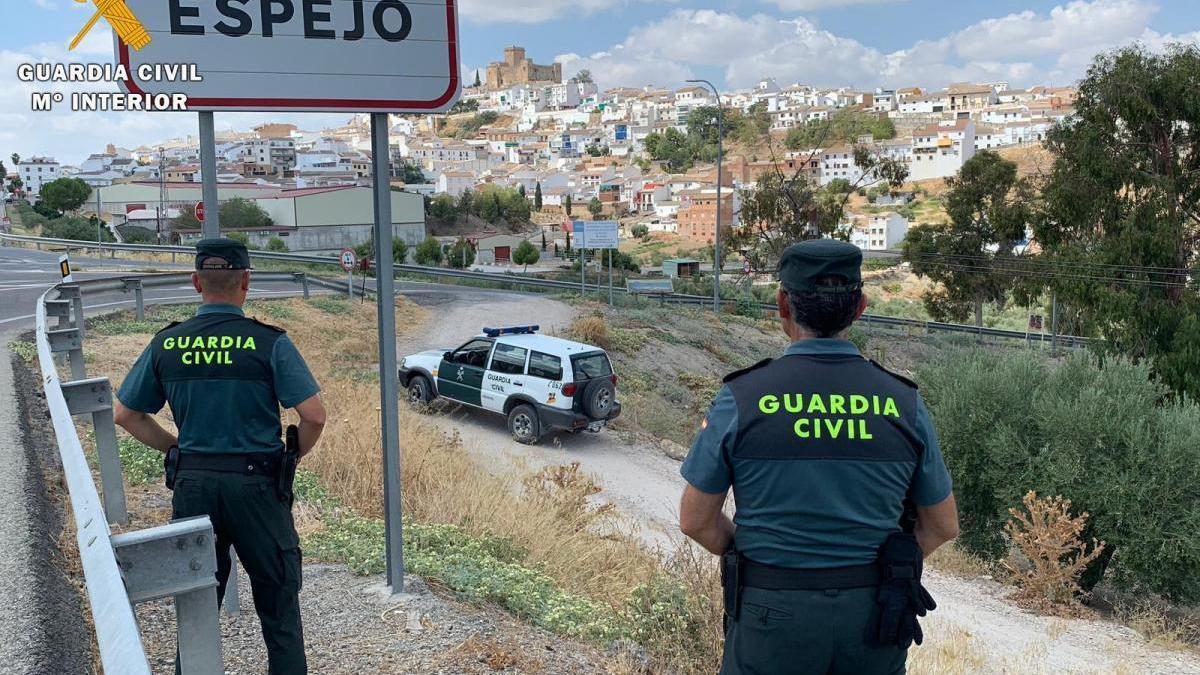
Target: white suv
x: 539, y: 382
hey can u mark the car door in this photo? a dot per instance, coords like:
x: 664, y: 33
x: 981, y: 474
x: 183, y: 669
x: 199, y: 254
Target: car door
x: 505, y: 375
x: 544, y: 381
x: 460, y: 376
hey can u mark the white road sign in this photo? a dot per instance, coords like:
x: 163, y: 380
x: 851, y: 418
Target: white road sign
x: 299, y: 55
x: 596, y: 234
x: 349, y: 259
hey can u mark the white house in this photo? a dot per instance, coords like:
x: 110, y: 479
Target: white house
x: 940, y: 150
x: 36, y: 172
x: 885, y: 231
x: 455, y: 182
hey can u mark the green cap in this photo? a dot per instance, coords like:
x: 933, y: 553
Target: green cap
x: 222, y: 254
x: 804, y: 263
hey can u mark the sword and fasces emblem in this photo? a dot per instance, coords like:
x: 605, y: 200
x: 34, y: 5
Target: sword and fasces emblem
x: 122, y: 20
x: 461, y: 370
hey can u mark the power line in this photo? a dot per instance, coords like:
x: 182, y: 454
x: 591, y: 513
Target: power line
x: 1031, y: 273
x: 1035, y: 262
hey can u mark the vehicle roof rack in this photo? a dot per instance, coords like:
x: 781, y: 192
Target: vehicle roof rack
x: 510, y: 330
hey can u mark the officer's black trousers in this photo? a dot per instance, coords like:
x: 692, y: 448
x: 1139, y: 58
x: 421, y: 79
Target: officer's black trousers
x: 807, y: 633
x: 247, y: 514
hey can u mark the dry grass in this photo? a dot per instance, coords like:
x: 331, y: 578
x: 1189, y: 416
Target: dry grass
x: 1153, y: 622
x: 574, y: 543
x: 592, y: 330
x: 950, y: 559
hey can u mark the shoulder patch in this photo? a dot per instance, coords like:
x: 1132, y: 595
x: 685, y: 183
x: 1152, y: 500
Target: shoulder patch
x: 738, y: 373
x: 898, y: 376
x: 277, y: 329
x: 168, y: 327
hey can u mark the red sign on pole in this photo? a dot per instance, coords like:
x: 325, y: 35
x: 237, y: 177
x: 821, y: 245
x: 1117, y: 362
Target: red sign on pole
x: 200, y: 211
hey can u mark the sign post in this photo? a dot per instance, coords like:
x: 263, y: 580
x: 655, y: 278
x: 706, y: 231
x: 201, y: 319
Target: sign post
x: 199, y: 211
x: 349, y: 260
x: 378, y: 57
x: 597, y: 234
x: 64, y: 268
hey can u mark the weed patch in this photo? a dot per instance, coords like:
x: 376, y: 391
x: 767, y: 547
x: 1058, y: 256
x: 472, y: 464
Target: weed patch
x: 334, y: 306
x: 25, y: 349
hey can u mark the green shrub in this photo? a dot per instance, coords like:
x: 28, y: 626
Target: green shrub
x: 140, y: 462
x: 1096, y: 434
x: 276, y: 244
x: 330, y: 305
x: 25, y: 349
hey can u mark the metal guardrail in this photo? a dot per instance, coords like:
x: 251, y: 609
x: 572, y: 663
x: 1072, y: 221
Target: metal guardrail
x: 523, y: 281
x: 173, y: 560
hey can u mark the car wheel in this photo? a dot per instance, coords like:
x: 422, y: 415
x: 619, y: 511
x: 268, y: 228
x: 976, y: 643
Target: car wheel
x: 419, y: 392
x: 524, y: 425
x: 598, y: 398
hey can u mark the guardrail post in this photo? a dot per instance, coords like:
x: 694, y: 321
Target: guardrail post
x: 302, y: 279
x: 94, y: 397
x: 231, y: 604
x: 135, y: 284
x: 68, y: 341
x: 180, y: 560
x: 71, y: 292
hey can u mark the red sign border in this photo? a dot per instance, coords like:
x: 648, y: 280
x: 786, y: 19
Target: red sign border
x: 351, y: 252
x: 339, y: 104
x: 198, y: 210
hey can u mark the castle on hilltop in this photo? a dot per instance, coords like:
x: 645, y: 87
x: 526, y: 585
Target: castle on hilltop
x: 516, y: 68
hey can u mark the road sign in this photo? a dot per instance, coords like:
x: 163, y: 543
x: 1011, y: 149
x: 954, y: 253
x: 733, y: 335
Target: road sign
x: 64, y: 268
x: 297, y: 55
x: 200, y: 211
x: 1035, y: 322
x: 596, y: 234
x: 349, y: 259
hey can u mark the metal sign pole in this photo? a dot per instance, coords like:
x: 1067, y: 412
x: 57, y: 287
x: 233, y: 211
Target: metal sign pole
x: 610, y: 257
x: 350, y: 284
x: 211, y: 227
x: 388, y: 375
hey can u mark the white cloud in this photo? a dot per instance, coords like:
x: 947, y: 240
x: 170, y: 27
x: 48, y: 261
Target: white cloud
x: 1023, y: 48
x: 811, y: 5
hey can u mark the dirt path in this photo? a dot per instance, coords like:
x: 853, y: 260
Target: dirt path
x: 639, y: 479
x: 974, y: 630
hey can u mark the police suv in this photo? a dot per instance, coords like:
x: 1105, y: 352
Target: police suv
x: 539, y: 382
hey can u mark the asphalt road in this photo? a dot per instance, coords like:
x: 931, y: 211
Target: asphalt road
x: 26, y: 273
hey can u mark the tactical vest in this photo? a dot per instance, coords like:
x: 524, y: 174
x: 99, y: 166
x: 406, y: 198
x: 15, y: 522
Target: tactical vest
x: 191, y: 356
x: 826, y: 406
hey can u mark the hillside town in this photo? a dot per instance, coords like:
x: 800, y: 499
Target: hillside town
x: 569, y: 149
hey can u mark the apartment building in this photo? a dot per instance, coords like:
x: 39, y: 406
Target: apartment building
x: 36, y: 172
x: 940, y: 150
x: 697, y: 214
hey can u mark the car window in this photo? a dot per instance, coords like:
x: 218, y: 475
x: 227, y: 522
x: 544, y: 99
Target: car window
x: 593, y: 364
x: 474, y: 353
x: 545, y: 366
x: 509, y: 359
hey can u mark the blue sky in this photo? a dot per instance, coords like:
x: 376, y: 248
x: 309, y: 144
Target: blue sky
x: 861, y: 43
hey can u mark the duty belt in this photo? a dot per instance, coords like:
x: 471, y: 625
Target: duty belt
x: 252, y: 464
x: 757, y: 575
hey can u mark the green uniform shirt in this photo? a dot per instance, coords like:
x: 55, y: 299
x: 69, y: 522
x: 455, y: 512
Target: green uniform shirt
x: 234, y: 413
x: 818, y: 511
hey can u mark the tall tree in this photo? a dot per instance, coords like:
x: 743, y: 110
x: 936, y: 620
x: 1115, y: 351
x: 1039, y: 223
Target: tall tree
x: 477, y: 80
x: 16, y: 159
x: 244, y: 214
x: 595, y: 207
x: 567, y: 205
x: 1122, y: 221
x: 786, y: 207
x: 65, y: 194
x: 537, y: 196
x: 973, y: 258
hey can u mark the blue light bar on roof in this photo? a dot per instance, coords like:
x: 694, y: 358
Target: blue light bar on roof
x: 510, y: 330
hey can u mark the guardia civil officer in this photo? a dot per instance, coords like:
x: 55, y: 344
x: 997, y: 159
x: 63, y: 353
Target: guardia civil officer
x: 823, y: 450
x: 225, y: 377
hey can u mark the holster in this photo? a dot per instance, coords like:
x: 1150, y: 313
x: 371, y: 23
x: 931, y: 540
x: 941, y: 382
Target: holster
x: 287, y: 468
x: 901, y: 598
x: 171, y: 466
x: 731, y: 584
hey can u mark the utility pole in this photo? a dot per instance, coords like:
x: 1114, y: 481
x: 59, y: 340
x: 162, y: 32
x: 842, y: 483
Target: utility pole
x: 99, y: 221
x: 162, y: 193
x: 720, y: 176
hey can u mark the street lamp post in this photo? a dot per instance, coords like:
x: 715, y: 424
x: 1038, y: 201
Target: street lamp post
x: 720, y: 172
